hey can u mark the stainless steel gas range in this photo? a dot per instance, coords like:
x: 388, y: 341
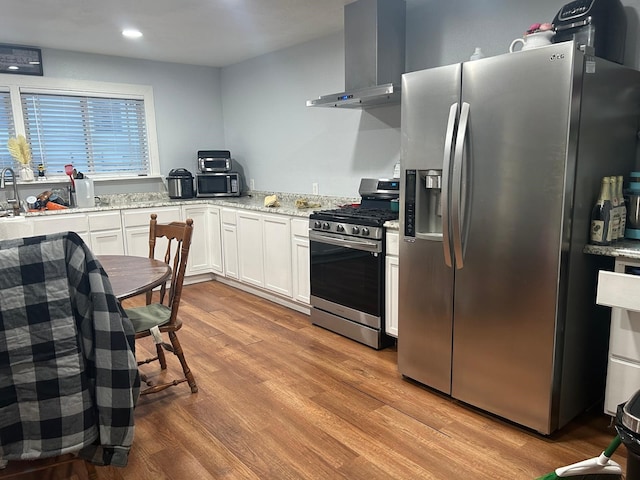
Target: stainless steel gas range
x: 347, y: 264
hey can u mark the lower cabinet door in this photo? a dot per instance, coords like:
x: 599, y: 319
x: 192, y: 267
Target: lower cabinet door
x: 215, y: 240
x: 230, y: 249
x: 250, y: 248
x: 623, y: 380
x: 277, y: 254
x: 108, y: 242
x: 137, y: 239
x: 301, y: 274
x: 198, y: 261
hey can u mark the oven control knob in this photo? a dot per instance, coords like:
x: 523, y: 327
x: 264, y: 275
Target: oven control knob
x: 326, y: 226
x: 340, y: 228
x: 355, y: 230
x: 365, y: 232
x: 317, y: 224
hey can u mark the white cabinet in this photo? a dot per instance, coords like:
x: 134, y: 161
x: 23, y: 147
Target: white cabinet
x: 267, y: 251
x: 277, y: 254
x: 391, y: 283
x: 230, y: 243
x: 300, y: 260
x: 16, y: 227
x: 105, y: 231
x: 621, y: 291
x: 214, y: 226
x: 101, y: 231
x: 136, y: 228
x: 198, y: 261
x: 250, y: 248
x: 73, y: 222
x: 264, y: 251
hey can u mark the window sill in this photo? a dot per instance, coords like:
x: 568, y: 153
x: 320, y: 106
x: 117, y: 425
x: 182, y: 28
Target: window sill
x: 98, y: 179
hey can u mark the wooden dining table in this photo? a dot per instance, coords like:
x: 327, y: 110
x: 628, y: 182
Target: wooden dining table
x: 131, y: 276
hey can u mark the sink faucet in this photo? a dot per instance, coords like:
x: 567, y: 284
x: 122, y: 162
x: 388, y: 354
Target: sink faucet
x: 15, y: 201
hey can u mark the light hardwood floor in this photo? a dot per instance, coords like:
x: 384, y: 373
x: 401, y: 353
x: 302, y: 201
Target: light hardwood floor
x: 282, y: 399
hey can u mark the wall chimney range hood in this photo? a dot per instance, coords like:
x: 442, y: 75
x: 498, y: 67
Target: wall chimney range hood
x: 374, y: 44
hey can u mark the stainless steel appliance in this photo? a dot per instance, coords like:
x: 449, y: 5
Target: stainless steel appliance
x: 347, y: 264
x: 501, y: 162
x: 219, y: 184
x: 180, y: 183
x: 374, y: 46
x: 600, y: 25
x: 214, y: 161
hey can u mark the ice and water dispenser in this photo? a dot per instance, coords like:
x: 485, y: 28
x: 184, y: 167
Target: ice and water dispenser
x: 423, y: 204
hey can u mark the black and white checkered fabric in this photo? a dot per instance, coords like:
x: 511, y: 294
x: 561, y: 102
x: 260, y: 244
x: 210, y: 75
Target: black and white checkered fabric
x: 68, y: 374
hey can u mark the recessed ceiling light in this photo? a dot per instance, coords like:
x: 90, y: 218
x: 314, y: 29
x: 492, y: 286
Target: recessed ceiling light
x: 131, y: 33
x: 13, y: 67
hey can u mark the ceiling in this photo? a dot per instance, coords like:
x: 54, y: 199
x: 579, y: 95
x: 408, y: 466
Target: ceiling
x: 197, y: 32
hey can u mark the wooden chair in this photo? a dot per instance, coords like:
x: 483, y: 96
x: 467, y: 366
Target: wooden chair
x: 159, y: 317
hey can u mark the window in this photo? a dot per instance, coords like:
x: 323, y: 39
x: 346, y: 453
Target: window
x: 106, y: 130
x: 7, y: 129
x: 96, y: 135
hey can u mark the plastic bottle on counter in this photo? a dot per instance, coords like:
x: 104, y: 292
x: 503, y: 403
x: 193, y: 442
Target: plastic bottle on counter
x: 601, y: 216
x: 623, y: 209
x: 615, y: 210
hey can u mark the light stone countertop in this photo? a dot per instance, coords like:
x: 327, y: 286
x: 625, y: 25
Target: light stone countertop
x: 392, y: 224
x: 253, y: 201
x: 623, y: 248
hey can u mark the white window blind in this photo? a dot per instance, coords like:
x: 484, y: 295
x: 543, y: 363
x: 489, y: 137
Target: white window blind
x: 7, y: 130
x: 97, y: 135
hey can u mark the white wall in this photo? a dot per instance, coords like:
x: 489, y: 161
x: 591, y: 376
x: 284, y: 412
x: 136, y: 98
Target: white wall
x: 187, y: 103
x: 441, y: 33
x: 286, y: 146
x: 257, y: 109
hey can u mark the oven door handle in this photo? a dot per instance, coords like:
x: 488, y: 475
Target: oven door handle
x: 344, y: 241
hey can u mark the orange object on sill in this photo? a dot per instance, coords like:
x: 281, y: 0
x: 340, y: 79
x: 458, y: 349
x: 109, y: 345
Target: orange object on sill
x: 55, y: 206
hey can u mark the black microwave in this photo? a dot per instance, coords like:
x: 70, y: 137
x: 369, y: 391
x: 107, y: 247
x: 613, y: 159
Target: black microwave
x: 219, y: 184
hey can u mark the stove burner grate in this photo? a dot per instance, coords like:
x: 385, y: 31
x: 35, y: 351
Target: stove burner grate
x: 363, y: 216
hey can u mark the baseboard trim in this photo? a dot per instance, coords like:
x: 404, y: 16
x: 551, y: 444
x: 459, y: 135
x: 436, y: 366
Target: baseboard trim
x: 273, y: 297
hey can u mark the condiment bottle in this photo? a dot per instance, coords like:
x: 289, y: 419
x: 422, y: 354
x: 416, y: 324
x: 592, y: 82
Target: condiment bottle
x: 615, y: 210
x: 601, y: 216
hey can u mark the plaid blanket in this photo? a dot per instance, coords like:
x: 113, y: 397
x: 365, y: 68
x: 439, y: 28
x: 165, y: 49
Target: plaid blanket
x: 68, y: 374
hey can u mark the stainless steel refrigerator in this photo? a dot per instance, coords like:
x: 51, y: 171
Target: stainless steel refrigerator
x: 501, y: 164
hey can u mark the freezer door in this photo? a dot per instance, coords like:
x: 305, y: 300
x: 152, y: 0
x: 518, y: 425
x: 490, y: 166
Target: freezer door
x: 514, y: 175
x: 427, y: 96
x: 426, y: 282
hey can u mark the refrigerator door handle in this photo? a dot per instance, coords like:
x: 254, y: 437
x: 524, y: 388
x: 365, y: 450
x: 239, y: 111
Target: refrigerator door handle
x: 456, y: 185
x: 446, y: 166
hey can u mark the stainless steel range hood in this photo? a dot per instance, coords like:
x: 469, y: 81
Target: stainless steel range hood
x: 374, y: 43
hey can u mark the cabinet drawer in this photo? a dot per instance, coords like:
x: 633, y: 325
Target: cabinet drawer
x: 393, y: 247
x: 138, y: 218
x: 624, y: 341
x: 618, y: 290
x: 228, y: 216
x: 60, y: 223
x: 104, y: 221
x: 300, y: 228
x: 623, y: 380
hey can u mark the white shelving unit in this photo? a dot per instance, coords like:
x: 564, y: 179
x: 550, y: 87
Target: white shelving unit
x: 620, y: 290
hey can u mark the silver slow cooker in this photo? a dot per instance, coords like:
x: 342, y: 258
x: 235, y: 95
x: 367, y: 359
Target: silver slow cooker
x: 180, y: 183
